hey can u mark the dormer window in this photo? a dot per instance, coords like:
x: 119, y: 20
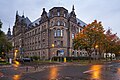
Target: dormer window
x: 58, y: 12
x: 64, y: 14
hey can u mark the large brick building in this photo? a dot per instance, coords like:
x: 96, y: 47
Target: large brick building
x: 50, y: 35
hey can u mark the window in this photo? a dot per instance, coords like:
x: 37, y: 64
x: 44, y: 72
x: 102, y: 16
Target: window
x: 38, y: 30
x: 72, y: 36
x: 51, y: 14
x: 58, y: 13
x: 35, y: 31
x: 61, y: 43
x: 52, y: 24
x: 61, y: 32
x: 58, y: 43
x: 54, y: 42
x: 55, y: 34
x: 32, y: 32
x: 58, y: 23
x: 64, y: 24
x: 64, y: 14
x: 58, y: 32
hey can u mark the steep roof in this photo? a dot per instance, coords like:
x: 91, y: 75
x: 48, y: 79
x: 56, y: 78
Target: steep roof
x: 36, y: 21
x: 81, y: 22
x: 27, y: 21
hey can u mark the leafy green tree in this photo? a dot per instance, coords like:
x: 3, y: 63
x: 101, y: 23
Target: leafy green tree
x: 5, y: 46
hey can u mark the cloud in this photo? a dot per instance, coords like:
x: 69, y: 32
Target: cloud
x: 107, y: 11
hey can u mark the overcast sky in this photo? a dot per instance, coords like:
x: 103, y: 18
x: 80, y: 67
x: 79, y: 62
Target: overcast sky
x: 107, y: 11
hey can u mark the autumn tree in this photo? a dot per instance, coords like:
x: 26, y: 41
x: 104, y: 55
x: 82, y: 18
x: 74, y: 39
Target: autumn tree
x: 112, y: 43
x: 89, y: 37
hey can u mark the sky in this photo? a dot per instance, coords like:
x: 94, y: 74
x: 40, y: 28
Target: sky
x: 106, y: 11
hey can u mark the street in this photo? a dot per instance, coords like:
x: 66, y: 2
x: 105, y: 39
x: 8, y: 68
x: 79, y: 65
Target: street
x: 62, y: 71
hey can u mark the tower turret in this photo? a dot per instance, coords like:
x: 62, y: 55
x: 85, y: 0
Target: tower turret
x: 9, y: 33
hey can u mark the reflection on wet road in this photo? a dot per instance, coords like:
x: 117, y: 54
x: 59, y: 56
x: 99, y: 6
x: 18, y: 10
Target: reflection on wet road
x: 16, y: 77
x: 1, y: 74
x: 53, y: 73
x: 96, y: 71
x: 68, y: 72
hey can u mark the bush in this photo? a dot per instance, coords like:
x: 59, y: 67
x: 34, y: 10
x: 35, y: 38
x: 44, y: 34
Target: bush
x: 69, y: 59
x: 35, y: 58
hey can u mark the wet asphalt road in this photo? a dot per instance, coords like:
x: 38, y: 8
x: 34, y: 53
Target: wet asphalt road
x: 63, y: 71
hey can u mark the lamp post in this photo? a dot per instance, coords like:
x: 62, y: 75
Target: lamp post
x: 96, y: 47
x: 52, y: 53
x: 15, y: 54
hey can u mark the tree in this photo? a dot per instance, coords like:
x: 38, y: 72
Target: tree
x: 112, y: 43
x: 5, y: 46
x: 89, y: 37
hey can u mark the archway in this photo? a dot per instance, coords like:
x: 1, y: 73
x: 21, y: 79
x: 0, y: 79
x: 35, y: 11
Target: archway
x: 60, y: 53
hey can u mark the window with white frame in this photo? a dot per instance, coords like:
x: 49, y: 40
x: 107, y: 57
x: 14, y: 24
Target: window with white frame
x: 58, y: 32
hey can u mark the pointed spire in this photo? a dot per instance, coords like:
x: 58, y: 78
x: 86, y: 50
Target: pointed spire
x: 43, y: 9
x: 23, y: 14
x: 17, y: 12
x: 9, y: 28
x: 9, y: 32
x: 0, y: 24
x: 44, y: 12
x: 73, y: 8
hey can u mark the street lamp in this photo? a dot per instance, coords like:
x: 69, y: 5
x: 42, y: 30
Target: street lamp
x: 96, y: 46
x: 53, y: 45
x: 53, y: 52
x: 15, y: 54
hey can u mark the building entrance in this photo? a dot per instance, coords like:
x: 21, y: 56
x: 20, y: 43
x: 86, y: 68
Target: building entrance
x: 60, y: 52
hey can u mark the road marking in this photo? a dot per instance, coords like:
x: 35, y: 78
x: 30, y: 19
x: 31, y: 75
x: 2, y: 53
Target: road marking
x: 88, y: 71
x: 110, y: 65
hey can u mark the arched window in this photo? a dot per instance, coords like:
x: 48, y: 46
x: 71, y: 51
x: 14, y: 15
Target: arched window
x: 64, y: 23
x: 58, y: 13
x: 72, y: 36
x: 64, y: 14
x: 55, y: 33
x: 58, y: 23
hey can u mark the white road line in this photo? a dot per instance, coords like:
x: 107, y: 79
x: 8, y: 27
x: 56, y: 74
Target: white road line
x: 88, y: 71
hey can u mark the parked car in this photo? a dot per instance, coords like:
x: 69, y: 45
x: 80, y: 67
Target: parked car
x: 26, y: 59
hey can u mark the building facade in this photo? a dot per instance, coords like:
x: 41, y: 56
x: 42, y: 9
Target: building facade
x: 50, y: 35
